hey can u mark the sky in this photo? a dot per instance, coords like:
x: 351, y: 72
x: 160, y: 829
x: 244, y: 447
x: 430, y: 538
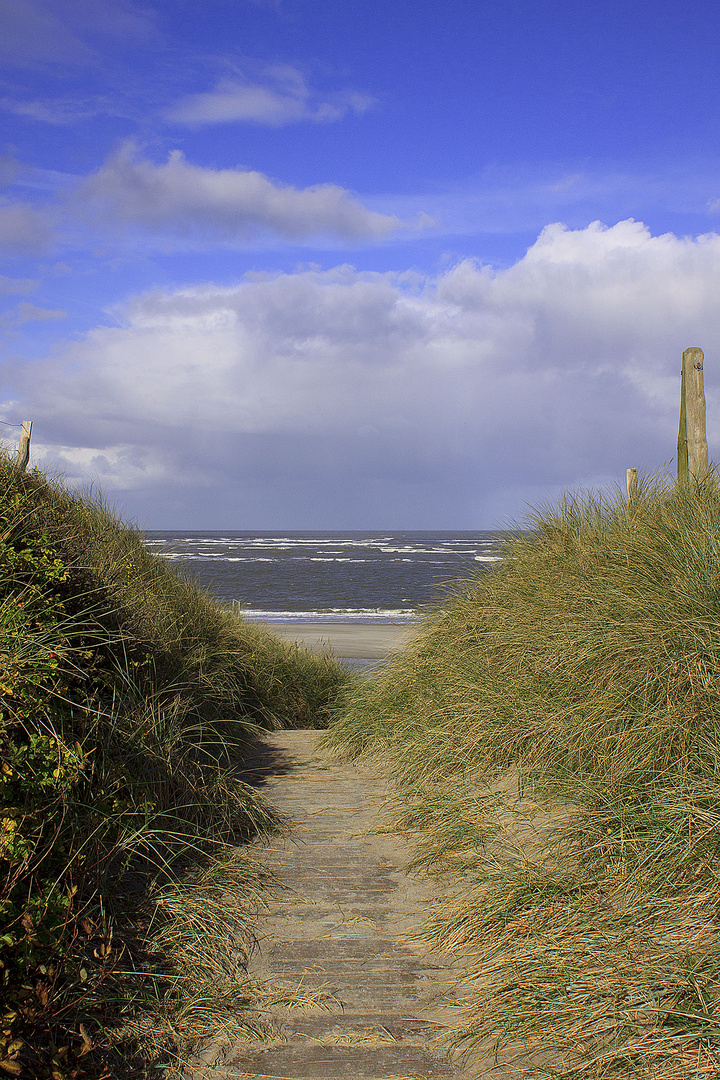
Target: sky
x: 343, y: 264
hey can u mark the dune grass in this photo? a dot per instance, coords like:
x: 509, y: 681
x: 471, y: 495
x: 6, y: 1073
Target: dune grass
x: 554, y: 732
x: 127, y: 700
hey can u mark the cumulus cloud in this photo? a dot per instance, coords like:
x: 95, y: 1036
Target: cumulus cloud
x: 282, y: 96
x: 351, y: 399
x: 120, y: 468
x: 184, y: 200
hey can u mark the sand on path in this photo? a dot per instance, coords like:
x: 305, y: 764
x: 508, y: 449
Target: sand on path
x: 361, y: 641
x: 336, y: 930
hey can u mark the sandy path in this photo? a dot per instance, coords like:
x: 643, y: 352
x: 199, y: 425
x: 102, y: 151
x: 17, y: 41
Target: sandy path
x: 337, y: 931
x: 354, y: 640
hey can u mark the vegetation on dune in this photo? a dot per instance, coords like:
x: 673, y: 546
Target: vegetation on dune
x: 127, y: 698
x: 554, y: 732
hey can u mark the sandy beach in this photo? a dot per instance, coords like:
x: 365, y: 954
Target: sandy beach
x: 353, y: 640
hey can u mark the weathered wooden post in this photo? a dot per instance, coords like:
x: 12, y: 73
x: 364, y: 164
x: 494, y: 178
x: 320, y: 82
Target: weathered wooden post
x: 632, y: 487
x: 695, y: 413
x: 682, y: 451
x: 23, y: 454
x: 692, y: 449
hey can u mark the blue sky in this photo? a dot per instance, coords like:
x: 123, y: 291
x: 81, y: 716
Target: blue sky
x: 340, y: 264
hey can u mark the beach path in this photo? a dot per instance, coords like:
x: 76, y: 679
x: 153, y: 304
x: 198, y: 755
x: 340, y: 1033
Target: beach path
x: 335, y: 932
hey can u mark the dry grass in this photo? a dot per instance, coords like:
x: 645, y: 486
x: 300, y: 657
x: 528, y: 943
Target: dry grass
x: 554, y: 734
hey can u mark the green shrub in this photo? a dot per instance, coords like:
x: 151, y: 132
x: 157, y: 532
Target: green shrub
x: 127, y: 699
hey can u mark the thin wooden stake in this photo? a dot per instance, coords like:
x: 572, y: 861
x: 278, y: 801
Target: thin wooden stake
x: 24, y: 446
x: 697, y: 447
x: 632, y: 487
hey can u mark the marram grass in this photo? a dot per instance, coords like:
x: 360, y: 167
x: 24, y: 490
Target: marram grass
x: 554, y: 733
x: 127, y: 700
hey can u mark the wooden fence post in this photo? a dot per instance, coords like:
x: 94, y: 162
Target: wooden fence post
x: 23, y: 455
x: 632, y: 487
x: 692, y: 449
x: 697, y: 447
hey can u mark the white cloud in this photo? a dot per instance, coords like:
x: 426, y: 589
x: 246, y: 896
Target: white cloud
x: 17, y: 286
x: 118, y: 468
x: 365, y: 399
x: 25, y: 312
x: 282, y: 96
x: 23, y: 228
x: 32, y: 34
x: 35, y: 32
x: 181, y: 200
x: 9, y: 169
x: 56, y: 111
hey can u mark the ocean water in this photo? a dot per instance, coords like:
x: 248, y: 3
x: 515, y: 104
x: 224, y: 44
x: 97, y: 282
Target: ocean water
x: 361, y: 577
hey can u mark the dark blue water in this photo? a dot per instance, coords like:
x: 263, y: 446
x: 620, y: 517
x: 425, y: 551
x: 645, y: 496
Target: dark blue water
x: 326, y: 576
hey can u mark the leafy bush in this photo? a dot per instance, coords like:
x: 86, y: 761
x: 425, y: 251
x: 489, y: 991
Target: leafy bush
x: 127, y: 699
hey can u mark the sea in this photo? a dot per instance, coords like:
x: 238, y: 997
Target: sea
x: 361, y: 577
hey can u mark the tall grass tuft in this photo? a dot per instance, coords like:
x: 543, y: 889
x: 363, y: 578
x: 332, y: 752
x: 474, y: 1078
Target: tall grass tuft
x: 554, y: 731
x: 127, y: 701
